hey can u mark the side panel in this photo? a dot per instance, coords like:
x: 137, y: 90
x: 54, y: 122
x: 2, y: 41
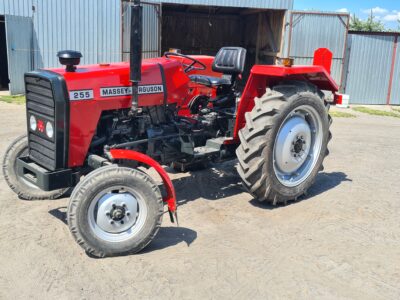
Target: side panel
x: 108, y: 88
x: 19, y: 46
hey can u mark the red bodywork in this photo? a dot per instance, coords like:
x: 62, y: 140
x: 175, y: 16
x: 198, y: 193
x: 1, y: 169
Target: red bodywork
x: 176, y: 88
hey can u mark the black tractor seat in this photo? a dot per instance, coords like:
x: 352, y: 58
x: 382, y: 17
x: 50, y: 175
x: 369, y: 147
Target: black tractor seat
x: 210, y: 81
x: 229, y: 61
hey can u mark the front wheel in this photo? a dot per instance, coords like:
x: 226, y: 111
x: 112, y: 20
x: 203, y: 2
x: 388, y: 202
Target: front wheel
x: 115, y: 211
x: 284, y: 142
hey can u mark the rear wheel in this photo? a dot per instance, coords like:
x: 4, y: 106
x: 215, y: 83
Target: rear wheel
x: 23, y: 188
x: 114, y: 211
x: 284, y: 142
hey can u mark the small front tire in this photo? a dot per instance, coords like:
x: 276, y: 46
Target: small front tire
x: 24, y: 189
x: 115, y: 211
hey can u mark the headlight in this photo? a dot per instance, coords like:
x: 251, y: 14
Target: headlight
x: 49, y: 130
x: 32, y: 123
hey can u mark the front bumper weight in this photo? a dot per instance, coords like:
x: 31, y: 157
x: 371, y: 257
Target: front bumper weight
x: 44, y: 179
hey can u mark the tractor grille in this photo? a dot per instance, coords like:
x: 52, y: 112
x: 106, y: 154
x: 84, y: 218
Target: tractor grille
x: 47, y: 103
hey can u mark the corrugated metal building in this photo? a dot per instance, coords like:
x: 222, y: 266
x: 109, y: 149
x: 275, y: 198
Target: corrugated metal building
x: 36, y: 29
x: 373, y: 69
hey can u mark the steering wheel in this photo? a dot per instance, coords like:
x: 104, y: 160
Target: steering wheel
x: 188, y: 67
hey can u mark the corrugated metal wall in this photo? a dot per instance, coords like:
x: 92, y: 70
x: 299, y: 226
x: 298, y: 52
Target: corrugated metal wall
x: 90, y: 26
x: 370, y: 67
x: 309, y: 31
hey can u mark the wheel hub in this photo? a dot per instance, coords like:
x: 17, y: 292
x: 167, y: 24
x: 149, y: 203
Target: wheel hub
x: 116, y: 212
x: 298, y: 145
x: 292, y: 145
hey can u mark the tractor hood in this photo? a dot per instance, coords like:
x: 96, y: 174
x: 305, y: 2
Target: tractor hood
x: 94, y: 89
x: 105, y: 82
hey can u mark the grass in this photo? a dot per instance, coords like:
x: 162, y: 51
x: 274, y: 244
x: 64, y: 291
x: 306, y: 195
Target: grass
x: 341, y: 114
x: 18, y: 99
x: 396, y: 109
x: 376, y: 112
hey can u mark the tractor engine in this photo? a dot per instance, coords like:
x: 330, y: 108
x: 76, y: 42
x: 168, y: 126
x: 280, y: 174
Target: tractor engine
x: 159, y: 131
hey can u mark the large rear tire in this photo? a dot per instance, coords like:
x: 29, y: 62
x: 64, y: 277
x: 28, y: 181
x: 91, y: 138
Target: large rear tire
x: 24, y: 189
x: 284, y: 142
x: 115, y: 211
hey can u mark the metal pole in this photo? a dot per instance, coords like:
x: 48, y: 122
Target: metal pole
x: 135, y: 56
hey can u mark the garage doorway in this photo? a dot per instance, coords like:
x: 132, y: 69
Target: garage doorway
x: 196, y: 29
x: 204, y: 30
x: 4, y: 79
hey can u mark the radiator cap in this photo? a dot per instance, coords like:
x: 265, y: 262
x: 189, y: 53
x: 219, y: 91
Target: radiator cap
x: 70, y: 59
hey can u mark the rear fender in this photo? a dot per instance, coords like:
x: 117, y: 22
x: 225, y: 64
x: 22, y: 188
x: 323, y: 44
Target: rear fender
x: 263, y: 76
x: 170, y: 198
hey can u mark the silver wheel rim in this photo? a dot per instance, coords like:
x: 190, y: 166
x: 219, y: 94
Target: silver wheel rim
x: 117, y: 214
x: 297, y: 146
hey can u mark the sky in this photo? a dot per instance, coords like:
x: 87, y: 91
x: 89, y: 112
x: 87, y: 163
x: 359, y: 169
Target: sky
x: 388, y: 11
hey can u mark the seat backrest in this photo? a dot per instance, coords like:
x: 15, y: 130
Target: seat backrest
x: 230, y: 60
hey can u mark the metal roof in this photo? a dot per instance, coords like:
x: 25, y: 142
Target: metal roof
x: 271, y: 4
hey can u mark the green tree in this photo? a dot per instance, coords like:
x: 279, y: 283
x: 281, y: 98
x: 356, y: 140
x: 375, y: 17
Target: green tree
x: 371, y: 24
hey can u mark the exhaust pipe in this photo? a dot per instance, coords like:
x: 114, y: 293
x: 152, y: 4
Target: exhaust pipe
x: 135, y: 55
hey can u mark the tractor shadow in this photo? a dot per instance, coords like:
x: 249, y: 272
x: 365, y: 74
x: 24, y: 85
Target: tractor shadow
x: 324, y: 182
x: 60, y: 213
x: 169, y: 237
x: 216, y: 182
x: 221, y: 181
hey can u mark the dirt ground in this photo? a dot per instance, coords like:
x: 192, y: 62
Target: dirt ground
x: 341, y: 242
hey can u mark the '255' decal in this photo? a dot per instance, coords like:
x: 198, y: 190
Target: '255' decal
x: 81, y: 95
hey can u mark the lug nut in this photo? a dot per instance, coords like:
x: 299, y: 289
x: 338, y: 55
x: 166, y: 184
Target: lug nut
x: 123, y: 205
x: 128, y: 213
x: 107, y: 213
x: 114, y: 206
x: 122, y: 222
x: 111, y: 222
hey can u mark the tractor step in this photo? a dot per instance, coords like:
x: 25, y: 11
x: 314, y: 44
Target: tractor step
x: 212, y: 147
x: 204, y: 151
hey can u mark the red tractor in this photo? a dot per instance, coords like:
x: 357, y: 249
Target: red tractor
x: 89, y: 129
